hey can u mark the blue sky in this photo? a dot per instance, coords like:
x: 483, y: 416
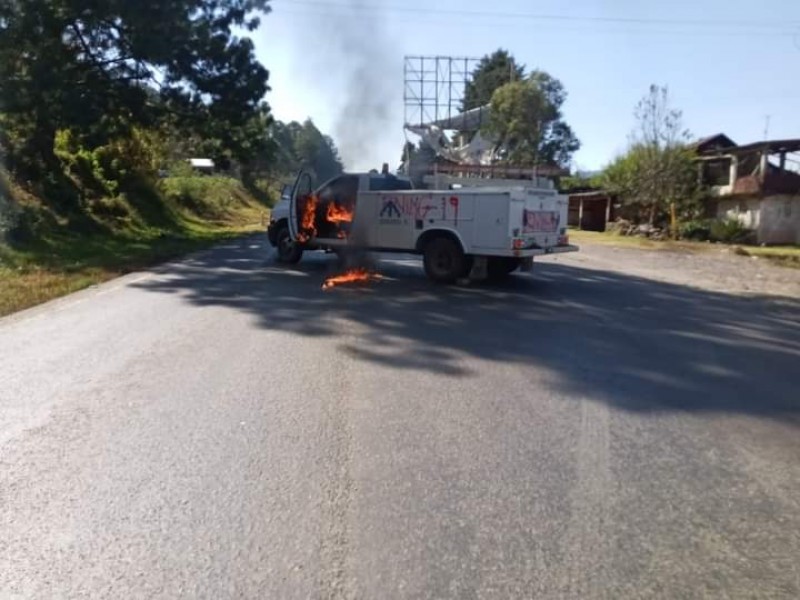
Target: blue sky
x: 728, y: 63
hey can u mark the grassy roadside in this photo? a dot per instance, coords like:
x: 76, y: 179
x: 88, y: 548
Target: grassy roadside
x: 58, y: 261
x: 786, y: 256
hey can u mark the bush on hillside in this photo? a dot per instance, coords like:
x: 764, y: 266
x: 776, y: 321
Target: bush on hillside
x: 107, y: 169
x: 204, y: 196
x: 114, y: 208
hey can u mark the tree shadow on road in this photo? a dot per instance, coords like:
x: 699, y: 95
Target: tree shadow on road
x: 634, y: 343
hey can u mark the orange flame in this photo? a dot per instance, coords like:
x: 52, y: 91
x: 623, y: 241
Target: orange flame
x: 339, y: 214
x: 351, y: 276
x: 308, y: 228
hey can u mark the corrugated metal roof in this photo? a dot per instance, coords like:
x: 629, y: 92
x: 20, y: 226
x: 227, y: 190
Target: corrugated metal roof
x: 713, y: 143
x: 771, y: 146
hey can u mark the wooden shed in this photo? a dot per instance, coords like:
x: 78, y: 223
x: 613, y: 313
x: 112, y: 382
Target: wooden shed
x: 590, y: 211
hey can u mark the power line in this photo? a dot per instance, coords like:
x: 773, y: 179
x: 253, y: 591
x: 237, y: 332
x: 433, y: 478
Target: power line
x: 583, y: 29
x: 422, y: 12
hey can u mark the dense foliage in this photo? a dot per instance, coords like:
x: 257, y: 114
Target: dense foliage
x: 295, y: 146
x: 526, y: 116
x: 7, y: 208
x: 101, y: 70
x: 100, y: 100
x: 492, y: 72
x: 526, y: 121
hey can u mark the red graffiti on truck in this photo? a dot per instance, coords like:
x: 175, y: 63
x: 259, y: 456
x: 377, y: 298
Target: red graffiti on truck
x: 422, y: 208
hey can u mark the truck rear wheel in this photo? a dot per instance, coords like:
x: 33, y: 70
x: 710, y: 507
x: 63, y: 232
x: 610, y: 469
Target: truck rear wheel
x: 289, y: 251
x: 444, y: 260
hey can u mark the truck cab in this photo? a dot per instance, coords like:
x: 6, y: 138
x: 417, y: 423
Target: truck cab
x: 341, y: 190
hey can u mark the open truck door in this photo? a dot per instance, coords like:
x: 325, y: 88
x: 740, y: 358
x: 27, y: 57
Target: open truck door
x: 303, y: 186
x: 286, y: 232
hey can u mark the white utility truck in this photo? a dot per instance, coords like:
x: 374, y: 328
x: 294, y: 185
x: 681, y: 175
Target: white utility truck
x: 476, y: 232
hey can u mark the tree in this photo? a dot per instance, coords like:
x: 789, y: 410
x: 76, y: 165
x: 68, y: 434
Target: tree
x: 101, y: 68
x: 558, y: 142
x: 317, y: 152
x: 658, y: 171
x: 493, y: 71
x: 518, y: 110
x: 526, y: 121
x: 297, y: 146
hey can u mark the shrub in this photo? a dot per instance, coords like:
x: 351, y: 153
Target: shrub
x: 106, y: 168
x: 620, y: 227
x: 110, y: 208
x: 266, y: 191
x: 27, y: 224
x: 180, y: 168
x: 698, y: 230
x: 9, y: 212
x: 730, y: 231
x: 205, y: 196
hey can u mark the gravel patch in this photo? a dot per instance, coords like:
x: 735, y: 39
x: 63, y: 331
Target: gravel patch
x: 713, y: 270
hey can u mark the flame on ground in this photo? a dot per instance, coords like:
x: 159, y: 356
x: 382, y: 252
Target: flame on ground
x: 351, y: 276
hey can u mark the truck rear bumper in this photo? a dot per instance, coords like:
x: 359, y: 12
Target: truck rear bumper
x: 558, y: 249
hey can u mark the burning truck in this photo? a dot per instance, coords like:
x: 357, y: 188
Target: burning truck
x: 485, y: 230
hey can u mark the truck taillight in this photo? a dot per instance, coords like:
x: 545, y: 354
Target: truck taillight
x: 518, y: 243
x: 563, y: 240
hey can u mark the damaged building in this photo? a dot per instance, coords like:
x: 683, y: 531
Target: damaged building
x: 757, y: 184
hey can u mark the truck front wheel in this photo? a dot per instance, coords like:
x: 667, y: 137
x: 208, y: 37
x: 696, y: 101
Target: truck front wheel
x: 289, y: 251
x: 444, y: 260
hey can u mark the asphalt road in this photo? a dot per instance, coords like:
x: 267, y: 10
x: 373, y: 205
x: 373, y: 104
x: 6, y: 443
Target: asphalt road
x: 222, y: 428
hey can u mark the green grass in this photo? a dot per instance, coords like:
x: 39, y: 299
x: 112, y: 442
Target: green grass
x: 613, y: 239
x: 786, y: 256
x: 183, y: 215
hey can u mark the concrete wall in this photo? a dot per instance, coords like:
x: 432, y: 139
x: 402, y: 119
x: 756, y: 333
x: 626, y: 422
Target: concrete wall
x: 780, y: 220
x: 776, y: 219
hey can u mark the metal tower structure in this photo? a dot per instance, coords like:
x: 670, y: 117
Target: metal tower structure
x: 434, y: 87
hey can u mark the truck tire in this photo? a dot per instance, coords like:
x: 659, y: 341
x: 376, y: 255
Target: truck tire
x: 500, y: 267
x: 444, y: 260
x: 289, y: 251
